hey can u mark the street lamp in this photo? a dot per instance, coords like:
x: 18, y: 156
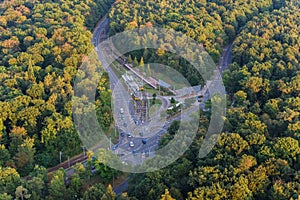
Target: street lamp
x: 83, y: 149
x: 60, y: 153
x: 69, y: 161
x: 110, y: 141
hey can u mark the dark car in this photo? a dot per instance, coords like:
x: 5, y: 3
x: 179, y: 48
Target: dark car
x: 122, y: 134
x: 134, y: 152
x: 144, y: 141
x: 115, y: 147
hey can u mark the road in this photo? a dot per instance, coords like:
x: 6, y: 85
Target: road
x: 100, y: 34
x: 226, y: 58
x: 152, y: 141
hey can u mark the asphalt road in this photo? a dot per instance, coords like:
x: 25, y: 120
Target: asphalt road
x: 100, y: 34
x: 226, y: 58
x: 152, y: 142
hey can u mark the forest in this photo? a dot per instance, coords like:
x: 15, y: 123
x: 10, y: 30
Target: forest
x: 43, y: 43
x: 257, y: 156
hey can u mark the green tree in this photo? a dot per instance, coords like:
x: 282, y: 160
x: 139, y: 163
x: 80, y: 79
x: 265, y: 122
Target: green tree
x: 74, y: 190
x: 36, y: 186
x: 153, y: 98
x: 175, y: 125
x: 130, y: 59
x: 10, y: 180
x: 287, y: 148
x: 57, y: 188
x: 172, y: 100
x: 142, y: 65
x: 5, y: 196
x: 135, y: 62
x: 24, y: 159
x: 96, y: 192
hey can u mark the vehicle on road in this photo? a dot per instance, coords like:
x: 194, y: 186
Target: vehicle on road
x: 129, y: 135
x: 199, y: 98
x: 125, y: 125
x: 144, y: 141
x: 161, y: 132
x: 134, y: 152
x: 122, y: 134
x: 121, y: 110
x: 131, y: 144
x: 115, y: 147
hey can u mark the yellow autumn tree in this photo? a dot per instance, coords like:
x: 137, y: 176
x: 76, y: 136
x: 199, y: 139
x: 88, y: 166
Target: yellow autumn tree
x: 167, y: 195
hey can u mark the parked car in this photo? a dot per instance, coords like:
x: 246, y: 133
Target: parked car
x: 131, y: 144
x: 122, y: 134
x: 144, y: 141
x: 134, y: 152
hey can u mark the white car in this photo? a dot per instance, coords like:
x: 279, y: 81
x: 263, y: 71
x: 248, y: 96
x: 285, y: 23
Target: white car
x: 131, y: 144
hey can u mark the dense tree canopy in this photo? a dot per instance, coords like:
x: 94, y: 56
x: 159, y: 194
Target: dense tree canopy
x: 43, y: 43
x: 258, y: 157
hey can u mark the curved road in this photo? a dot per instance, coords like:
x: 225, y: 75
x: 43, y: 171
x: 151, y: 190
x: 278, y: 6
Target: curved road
x: 152, y: 142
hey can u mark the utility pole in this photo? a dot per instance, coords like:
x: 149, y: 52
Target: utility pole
x: 60, y: 156
x: 83, y: 149
x: 110, y: 142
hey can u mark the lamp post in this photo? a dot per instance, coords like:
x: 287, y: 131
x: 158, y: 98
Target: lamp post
x: 60, y: 153
x: 83, y: 149
x: 110, y: 141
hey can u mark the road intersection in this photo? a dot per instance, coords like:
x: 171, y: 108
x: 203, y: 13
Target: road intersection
x: 126, y: 122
